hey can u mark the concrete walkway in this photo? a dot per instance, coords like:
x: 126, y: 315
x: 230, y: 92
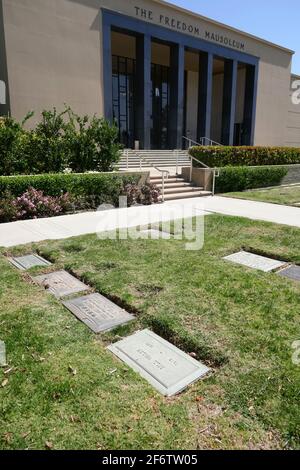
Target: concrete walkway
x: 278, y: 214
x: 22, y: 232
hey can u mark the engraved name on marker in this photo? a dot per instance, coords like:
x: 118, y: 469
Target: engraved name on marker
x: 164, y: 366
x: 29, y: 261
x: 253, y: 261
x: 61, y: 283
x: 98, y: 313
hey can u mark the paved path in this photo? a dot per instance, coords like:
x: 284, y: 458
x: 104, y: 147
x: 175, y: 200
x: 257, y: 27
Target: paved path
x: 278, y: 214
x: 22, y: 232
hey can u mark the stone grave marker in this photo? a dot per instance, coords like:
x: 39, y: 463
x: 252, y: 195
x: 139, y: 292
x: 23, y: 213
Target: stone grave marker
x: 98, y: 313
x: 255, y: 261
x: 2, y: 354
x: 165, y: 367
x: 292, y: 272
x: 29, y: 261
x: 61, y: 283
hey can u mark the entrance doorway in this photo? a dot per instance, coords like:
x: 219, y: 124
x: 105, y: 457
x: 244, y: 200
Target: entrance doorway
x: 123, y: 80
x: 160, y: 78
x: 123, y: 84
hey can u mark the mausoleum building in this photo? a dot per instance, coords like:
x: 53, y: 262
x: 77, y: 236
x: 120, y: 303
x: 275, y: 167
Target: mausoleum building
x: 161, y: 72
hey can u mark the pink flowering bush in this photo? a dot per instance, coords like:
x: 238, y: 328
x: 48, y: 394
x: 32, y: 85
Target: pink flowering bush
x: 33, y: 204
x: 146, y: 194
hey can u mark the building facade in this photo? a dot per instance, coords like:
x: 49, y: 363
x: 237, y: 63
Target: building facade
x: 161, y: 72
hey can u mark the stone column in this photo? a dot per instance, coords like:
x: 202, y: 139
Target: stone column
x: 107, y: 72
x: 143, y: 91
x: 205, y: 95
x: 176, y: 96
x: 4, y: 85
x: 249, y: 109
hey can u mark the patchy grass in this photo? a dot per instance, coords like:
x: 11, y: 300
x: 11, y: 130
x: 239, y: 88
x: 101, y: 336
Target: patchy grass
x: 289, y: 195
x: 239, y: 321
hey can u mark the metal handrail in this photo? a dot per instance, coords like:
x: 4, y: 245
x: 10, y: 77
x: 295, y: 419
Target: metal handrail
x: 164, y: 173
x: 202, y: 140
x: 211, y: 142
x: 215, y: 171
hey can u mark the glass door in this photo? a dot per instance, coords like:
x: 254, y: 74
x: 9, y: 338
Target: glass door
x: 123, y: 83
x: 160, y: 107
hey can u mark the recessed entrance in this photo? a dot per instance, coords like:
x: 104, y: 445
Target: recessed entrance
x: 160, y: 106
x: 162, y: 87
x: 160, y: 96
x: 123, y: 81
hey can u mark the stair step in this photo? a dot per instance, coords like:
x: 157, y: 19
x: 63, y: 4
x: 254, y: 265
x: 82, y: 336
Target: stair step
x: 171, y: 179
x: 157, y: 163
x: 175, y: 196
x: 182, y: 190
x: 146, y: 167
x: 175, y: 185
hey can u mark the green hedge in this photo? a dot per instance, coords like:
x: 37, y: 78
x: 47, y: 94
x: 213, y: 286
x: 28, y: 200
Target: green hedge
x: 246, y: 156
x: 60, y: 140
x: 241, y: 178
x: 106, y: 186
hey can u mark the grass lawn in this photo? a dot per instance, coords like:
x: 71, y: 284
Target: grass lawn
x: 289, y: 195
x: 67, y: 392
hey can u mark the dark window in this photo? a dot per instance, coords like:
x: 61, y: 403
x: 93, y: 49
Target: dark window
x: 123, y: 84
x: 160, y: 76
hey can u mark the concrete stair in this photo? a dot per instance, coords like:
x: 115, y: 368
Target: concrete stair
x: 178, y: 188
x: 159, y: 158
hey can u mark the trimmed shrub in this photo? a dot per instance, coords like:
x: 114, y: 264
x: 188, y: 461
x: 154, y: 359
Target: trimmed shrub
x: 246, y: 156
x: 60, y: 141
x: 27, y: 197
x: 92, y: 143
x: 106, y: 187
x: 11, y: 134
x: 241, y: 178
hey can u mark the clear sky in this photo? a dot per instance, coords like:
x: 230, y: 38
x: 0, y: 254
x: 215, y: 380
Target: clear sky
x: 274, y: 20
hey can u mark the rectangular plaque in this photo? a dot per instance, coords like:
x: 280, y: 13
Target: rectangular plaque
x: 292, y: 272
x: 164, y: 366
x: 98, y: 313
x: 29, y: 261
x: 255, y: 261
x: 2, y: 354
x: 61, y: 283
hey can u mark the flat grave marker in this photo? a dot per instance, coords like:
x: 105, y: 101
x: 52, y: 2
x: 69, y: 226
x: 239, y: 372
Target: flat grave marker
x: 98, y: 313
x: 28, y: 261
x: 2, y: 354
x: 61, y: 283
x: 255, y: 261
x: 168, y: 369
x: 292, y: 272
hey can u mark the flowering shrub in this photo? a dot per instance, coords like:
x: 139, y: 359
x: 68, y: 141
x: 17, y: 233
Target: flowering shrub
x: 8, y: 211
x: 146, y: 194
x: 149, y: 194
x: 132, y: 192
x: 33, y: 204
